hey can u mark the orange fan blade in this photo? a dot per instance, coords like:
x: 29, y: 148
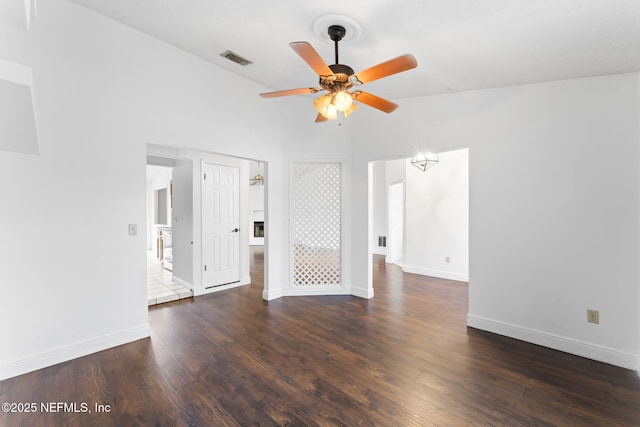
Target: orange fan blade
x: 320, y: 118
x: 388, y: 68
x: 376, y: 102
x: 311, y: 57
x: 279, y: 93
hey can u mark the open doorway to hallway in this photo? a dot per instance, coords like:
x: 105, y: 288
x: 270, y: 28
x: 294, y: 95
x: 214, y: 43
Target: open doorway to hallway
x: 162, y: 215
x: 184, y: 247
x: 420, y: 219
x: 256, y: 217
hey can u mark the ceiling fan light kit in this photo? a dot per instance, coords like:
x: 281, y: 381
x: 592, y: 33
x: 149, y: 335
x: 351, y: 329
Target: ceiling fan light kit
x: 258, y: 179
x: 338, y: 78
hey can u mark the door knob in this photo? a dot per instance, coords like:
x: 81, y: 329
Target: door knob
x: 235, y: 230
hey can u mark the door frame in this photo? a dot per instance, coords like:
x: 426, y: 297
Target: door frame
x: 167, y: 155
x: 392, y: 257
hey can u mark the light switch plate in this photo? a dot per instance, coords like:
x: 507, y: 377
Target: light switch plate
x: 133, y: 229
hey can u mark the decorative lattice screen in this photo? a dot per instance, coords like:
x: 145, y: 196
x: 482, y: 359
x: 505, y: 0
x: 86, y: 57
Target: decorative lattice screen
x: 315, y: 224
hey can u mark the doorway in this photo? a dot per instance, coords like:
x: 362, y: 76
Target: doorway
x: 194, y: 200
x: 164, y: 206
x: 396, y: 223
x: 425, y: 213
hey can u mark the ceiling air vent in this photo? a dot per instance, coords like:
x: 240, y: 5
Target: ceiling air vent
x: 235, y: 58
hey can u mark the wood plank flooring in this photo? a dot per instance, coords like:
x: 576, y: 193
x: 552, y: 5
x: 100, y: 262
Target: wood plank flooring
x: 403, y: 358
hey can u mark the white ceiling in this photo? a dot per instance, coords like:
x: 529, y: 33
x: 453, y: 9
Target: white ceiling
x: 459, y: 44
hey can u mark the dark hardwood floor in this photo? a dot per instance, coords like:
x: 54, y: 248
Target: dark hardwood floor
x: 403, y: 358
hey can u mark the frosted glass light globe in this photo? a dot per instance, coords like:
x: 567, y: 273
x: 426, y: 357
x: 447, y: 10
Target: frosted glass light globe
x: 343, y: 101
x: 332, y: 112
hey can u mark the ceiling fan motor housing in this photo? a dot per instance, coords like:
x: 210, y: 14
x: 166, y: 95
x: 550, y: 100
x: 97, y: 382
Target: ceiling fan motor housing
x: 340, y: 79
x: 341, y: 69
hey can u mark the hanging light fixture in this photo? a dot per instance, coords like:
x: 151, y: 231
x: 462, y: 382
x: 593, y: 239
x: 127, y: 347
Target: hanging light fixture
x: 258, y: 179
x: 325, y: 106
x: 424, y: 160
x: 330, y: 104
x: 343, y: 101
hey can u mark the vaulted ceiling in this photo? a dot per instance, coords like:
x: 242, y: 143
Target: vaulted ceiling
x: 459, y: 44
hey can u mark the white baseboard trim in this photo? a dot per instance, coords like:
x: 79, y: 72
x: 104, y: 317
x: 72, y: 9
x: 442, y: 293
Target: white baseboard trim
x: 200, y: 291
x: 556, y: 342
x: 436, y: 273
x: 399, y: 262
x: 366, y: 293
x: 271, y: 294
x: 64, y: 354
x: 182, y: 282
x: 304, y: 291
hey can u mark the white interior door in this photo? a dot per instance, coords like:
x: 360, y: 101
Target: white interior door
x: 396, y: 223
x: 221, y: 225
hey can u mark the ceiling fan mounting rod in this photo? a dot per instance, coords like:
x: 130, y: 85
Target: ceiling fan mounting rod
x: 336, y: 33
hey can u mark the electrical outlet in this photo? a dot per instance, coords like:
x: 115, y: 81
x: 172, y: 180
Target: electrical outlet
x: 593, y: 316
x: 447, y: 259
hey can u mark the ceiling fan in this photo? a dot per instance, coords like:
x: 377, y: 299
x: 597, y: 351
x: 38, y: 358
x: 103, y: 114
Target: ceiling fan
x: 338, y: 78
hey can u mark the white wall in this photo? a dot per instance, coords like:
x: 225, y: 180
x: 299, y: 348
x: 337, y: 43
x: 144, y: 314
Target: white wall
x: 18, y: 131
x: 305, y: 140
x: 384, y: 173
x: 17, y: 13
x: 256, y: 197
x: 553, y: 205
x: 548, y: 237
x: 102, y: 91
x: 437, y: 218
x: 395, y: 171
x: 379, y: 206
x: 394, y: 174
x: 182, y: 222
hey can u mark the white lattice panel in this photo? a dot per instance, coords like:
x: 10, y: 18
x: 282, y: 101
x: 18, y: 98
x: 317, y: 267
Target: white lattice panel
x: 316, y: 224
